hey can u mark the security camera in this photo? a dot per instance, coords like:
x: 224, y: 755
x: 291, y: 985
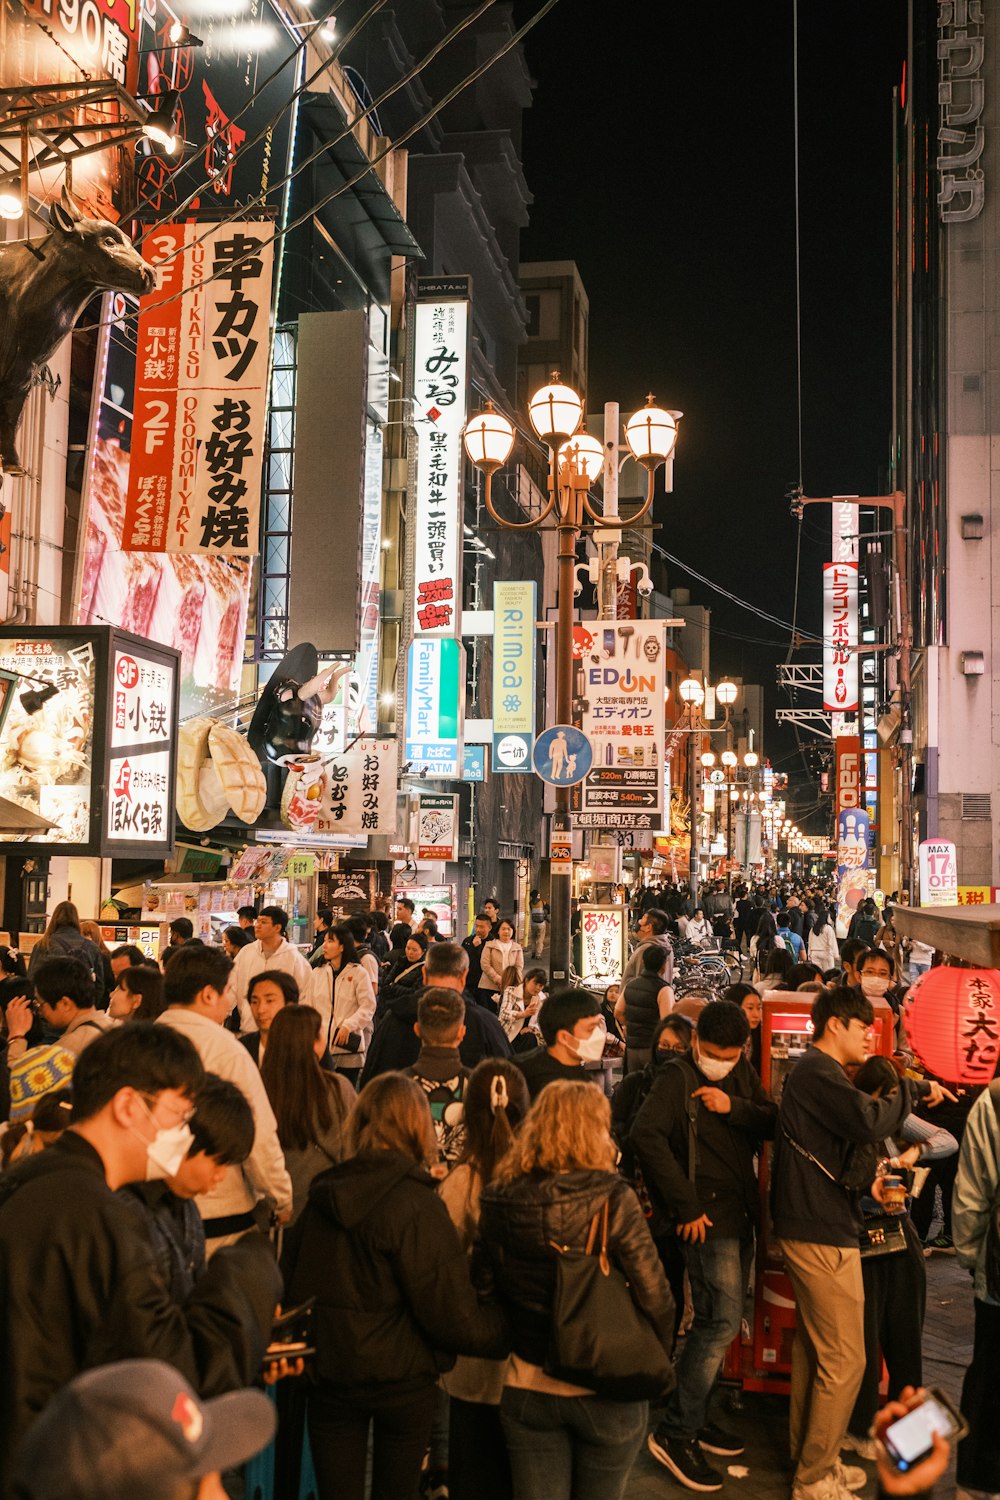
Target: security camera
x: 644, y: 587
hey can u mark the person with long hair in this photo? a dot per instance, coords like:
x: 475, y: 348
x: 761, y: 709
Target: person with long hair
x: 138, y: 995
x: 267, y: 995
x: 556, y: 1178
x: 235, y: 938
x: 64, y: 938
x: 310, y: 1104
x: 823, y: 948
x: 342, y: 992
x: 749, y: 1001
x: 774, y: 971
x: 103, y: 973
x: 496, y: 1101
x: 395, y: 1303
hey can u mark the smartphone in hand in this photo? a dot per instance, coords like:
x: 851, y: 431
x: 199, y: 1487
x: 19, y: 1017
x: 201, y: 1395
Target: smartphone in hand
x: 909, y: 1440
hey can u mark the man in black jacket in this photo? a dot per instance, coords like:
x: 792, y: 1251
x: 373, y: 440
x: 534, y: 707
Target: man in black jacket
x: 696, y: 1136
x: 79, y: 1283
x: 574, y: 1033
x: 395, y: 1045
x: 823, y: 1119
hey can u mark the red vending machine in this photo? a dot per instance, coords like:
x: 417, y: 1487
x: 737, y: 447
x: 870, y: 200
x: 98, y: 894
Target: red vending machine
x: 765, y: 1358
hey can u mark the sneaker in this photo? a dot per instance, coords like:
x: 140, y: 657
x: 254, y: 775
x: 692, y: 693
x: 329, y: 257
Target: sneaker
x: 826, y: 1488
x: 850, y: 1476
x: 941, y: 1244
x: 716, y: 1439
x: 864, y: 1447
x: 685, y: 1462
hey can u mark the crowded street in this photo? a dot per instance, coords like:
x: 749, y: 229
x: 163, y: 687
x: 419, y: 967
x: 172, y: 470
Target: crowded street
x: 499, y: 779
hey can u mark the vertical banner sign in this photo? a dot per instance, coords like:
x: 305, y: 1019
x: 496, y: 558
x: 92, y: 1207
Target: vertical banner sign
x: 440, y: 402
x: 143, y: 731
x: 625, y: 694
x: 201, y: 392
x: 437, y: 827
x: 938, y: 873
x: 840, y: 637
x: 355, y: 792
x: 435, y: 692
x: 513, y: 675
x: 602, y: 931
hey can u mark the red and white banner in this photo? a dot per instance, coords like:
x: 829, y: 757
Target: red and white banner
x: 840, y: 636
x: 440, y: 406
x: 850, y: 793
x: 201, y: 392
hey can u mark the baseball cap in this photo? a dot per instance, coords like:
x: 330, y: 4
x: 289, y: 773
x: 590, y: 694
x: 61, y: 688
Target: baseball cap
x: 136, y: 1428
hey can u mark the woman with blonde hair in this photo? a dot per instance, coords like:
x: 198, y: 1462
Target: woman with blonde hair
x: 554, y: 1181
x: 394, y: 1300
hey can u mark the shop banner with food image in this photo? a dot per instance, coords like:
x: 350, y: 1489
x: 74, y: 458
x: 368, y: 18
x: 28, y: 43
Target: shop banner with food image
x: 203, y: 347
x: 437, y: 827
x: 87, y: 746
x: 194, y: 602
x: 353, y: 793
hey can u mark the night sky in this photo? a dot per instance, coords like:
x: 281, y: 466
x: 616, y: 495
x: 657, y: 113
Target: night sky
x: 660, y: 154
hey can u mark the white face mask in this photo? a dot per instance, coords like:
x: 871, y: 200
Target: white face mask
x: 591, y: 1048
x: 714, y: 1068
x: 167, y: 1149
x: 874, y: 985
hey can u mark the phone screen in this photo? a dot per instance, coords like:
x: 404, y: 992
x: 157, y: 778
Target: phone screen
x: 910, y: 1439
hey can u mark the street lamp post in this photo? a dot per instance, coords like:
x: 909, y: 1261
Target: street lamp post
x: 576, y: 461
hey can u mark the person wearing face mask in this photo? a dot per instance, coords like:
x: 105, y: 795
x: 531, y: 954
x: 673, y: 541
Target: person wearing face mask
x: 574, y: 1033
x: 877, y: 976
x: 817, y: 1222
x: 713, y: 1103
x: 68, y: 1244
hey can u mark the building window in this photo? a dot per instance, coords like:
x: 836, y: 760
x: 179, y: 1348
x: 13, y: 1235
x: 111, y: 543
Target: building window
x: 533, y: 307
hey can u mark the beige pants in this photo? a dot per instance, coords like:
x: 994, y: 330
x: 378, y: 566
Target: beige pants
x: 828, y: 1355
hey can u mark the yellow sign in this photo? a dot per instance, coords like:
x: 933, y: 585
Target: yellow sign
x: 300, y: 866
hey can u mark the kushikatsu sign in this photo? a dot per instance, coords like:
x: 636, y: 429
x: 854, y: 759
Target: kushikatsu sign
x: 440, y: 407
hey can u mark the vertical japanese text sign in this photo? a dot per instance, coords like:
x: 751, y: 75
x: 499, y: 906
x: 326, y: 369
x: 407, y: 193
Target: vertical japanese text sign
x: 440, y: 402
x: 201, y: 392
x: 513, y: 674
x: 840, y: 611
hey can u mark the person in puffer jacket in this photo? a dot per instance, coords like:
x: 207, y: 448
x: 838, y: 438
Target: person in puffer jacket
x: 556, y: 1177
x: 395, y: 1304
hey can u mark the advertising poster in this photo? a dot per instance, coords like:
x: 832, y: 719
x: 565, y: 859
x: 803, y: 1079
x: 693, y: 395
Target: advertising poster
x: 346, y: 894
x: 602, y: 943
x: 440, y: 408
x: 437, y: 827
x: 624, y: 688
x: 201, y: 392
x: 840, y: 637
x: 435, y: 697
x: 514, y: 605
x: 197, y: 604
x: 437, y: 900
x: 938, y: 873
x: 47, y: 757
x: 854, y: 879
x: 144, y: 729
x: 232, y: 92
x: 353, y: 793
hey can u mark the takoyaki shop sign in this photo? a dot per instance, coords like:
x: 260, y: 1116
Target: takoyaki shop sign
x: 88, y: 742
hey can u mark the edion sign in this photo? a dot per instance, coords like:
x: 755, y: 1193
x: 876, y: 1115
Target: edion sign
x: 848, y: 772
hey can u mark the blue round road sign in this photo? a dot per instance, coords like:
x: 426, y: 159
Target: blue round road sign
x: 562, y: 755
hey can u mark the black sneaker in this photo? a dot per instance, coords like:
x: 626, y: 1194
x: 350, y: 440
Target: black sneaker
x: 716, y: 1439
x: 685, y: 1461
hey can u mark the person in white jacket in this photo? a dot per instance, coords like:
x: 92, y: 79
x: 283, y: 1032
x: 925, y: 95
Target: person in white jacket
x: 823, y: 949
x: 195, y: 989
x: 341, y: 990
x: 270, y: 951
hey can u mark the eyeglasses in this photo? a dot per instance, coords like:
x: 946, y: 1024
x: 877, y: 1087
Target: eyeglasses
x: 677, y: 1047
x: 155, y: 1101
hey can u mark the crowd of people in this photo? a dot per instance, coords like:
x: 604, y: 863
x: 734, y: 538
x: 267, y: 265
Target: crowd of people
x: 425, y: 1154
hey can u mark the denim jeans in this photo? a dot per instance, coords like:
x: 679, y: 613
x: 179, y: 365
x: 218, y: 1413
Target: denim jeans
x: 570, y: 1447
x: 718, y: 1271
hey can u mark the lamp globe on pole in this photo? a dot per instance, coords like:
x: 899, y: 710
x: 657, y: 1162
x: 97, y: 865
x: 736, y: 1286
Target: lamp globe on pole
x: 651, y: 434
x: 584, y: 454
x: 726, y: 693
x: 691, y: 692
x: 489, y: 439
x: 556, y: 412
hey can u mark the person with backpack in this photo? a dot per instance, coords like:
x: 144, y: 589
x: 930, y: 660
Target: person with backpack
x: 695, y: 1138
x: 975, y: 1223
x: 439, y: 1069
x: 865, y: 923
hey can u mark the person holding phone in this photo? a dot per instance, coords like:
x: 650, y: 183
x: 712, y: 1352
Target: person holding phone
x: 917, y: 1480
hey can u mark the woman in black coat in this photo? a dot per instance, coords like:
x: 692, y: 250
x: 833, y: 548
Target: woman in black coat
x: 395, y: 1304
x: 558, y: 1175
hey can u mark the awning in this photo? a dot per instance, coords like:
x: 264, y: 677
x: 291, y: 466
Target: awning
x: 323, y: 113
x: 969, y: 932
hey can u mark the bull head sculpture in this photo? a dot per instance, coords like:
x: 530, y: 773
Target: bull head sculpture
x: 44, y: 287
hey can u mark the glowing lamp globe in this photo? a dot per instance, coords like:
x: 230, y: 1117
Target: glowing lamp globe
x: 726, y: 693
x: 952, y: 1021
x: 651, y: 435
x: 488, y: 438
x: 556, y: 411
x: 691, y: 691
x: 729, y: 758
x: 585, y: 454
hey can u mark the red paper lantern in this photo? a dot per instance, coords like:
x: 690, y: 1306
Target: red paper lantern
x: 952, y: 1019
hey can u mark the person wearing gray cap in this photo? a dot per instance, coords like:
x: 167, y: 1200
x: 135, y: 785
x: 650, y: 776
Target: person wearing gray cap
x: 136, y: 1428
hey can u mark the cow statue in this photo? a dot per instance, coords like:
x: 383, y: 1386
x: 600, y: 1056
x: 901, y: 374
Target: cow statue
x: 44, y: 287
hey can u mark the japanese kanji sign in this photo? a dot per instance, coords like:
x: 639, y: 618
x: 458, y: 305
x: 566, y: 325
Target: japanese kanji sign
x: 359, y: 790
x: 201, y: 392
x: 435, y: 698
x: 440, y: 380
x: 602, y: 933
x: 437, y: 827
x: 624, y: 691
x: 513, y: 674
